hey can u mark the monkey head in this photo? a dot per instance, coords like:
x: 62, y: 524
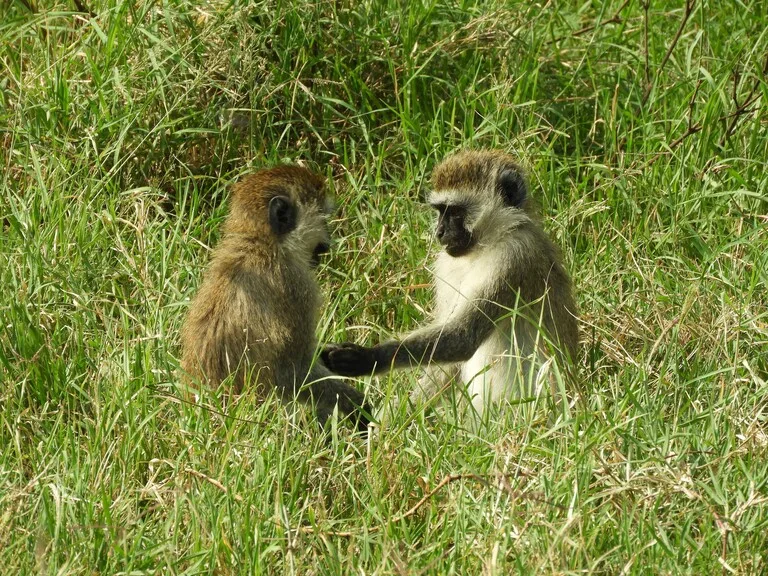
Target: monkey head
x: 285, y: 206
x: 479, y: 196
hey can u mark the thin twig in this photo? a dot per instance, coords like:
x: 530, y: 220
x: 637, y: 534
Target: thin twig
x: 741, y: 109
x: 444, y: 482
x: 692, y: 128
x: 615, y: 19
x: 689, y: 4
x: 160, y: 392
x: 692, y: 103
x: 212, y: 482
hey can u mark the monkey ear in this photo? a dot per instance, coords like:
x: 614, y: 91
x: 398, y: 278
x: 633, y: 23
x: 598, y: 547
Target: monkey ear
x: 282, y: 215
x: 512, y: 187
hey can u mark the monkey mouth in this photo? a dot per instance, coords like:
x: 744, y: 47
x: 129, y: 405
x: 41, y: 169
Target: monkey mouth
x: 457, y: 251
x: 320, y: 249
x: 458, y: 245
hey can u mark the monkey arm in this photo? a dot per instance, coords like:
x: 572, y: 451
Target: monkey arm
x: 449, y: 342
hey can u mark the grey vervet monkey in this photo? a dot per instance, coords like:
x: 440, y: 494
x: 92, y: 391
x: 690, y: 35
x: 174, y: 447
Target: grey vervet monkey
x: 504, y: 305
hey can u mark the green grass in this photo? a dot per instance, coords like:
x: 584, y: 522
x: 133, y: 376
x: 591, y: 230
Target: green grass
x: 120, y: 132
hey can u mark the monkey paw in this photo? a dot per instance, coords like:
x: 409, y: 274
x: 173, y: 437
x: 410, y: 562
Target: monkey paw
x: 348, y: 359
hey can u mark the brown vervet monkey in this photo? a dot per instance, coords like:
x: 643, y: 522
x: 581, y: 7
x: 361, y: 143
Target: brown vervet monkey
x: 504, y: 308
x: 255, y: 315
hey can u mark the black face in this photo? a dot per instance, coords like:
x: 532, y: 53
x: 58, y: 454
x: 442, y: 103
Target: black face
x: 452, y: 231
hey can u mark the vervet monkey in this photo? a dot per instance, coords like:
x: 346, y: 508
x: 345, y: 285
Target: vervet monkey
x: 504, y: 304
x: 255, y: 314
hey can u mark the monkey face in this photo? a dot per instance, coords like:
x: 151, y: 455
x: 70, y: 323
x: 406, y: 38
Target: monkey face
x: 452, y: 231
x: 481, y: 196
x: 314, y: 234
x: 301, y: 227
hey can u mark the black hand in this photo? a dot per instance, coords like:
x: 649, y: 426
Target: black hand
x: 348, y: 359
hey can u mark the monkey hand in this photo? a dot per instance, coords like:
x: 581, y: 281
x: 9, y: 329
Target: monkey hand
x: 349, y: 359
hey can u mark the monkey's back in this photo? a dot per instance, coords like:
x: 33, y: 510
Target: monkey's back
x: 238, y: 323
x: 558, y: 307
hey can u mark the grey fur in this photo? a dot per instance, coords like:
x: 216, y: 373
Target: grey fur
x: 503, y: 310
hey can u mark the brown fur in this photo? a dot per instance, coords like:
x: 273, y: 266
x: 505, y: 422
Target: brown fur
x: 468, y: 170
x: 232, y: 326
x: 255, y: 314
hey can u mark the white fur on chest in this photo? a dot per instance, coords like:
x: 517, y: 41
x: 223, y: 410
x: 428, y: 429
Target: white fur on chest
x: 501, y: 366
x: 461, y: 280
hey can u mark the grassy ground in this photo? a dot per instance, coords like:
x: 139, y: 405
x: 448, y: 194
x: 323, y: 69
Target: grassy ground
x: 122, y: 124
